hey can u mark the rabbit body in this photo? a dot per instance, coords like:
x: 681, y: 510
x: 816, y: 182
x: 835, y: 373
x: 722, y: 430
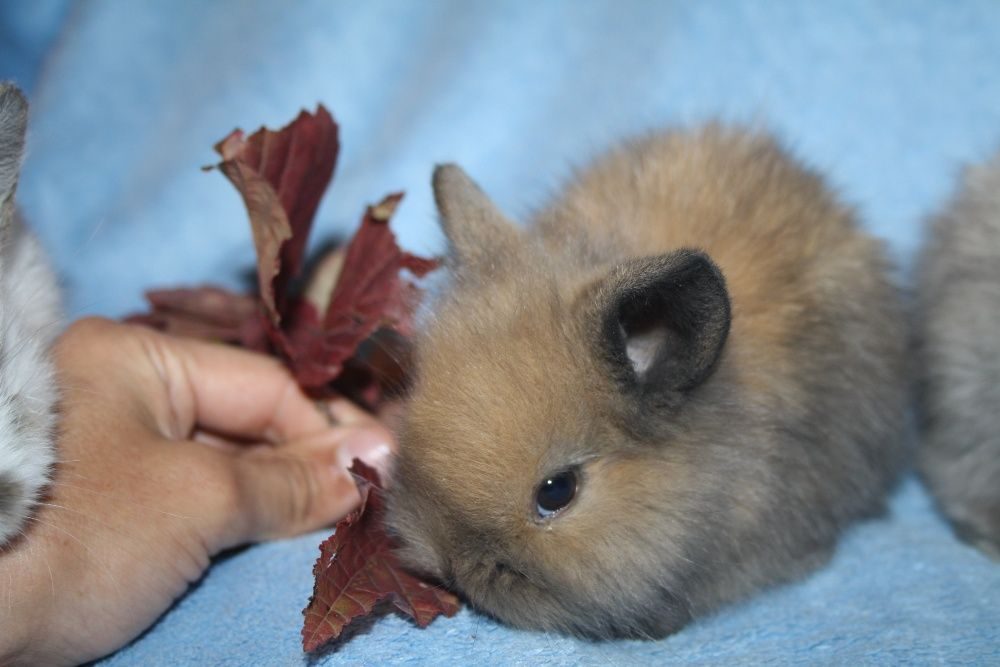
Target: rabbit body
x: 959, y: 315
x: 695, y: 343
x: 29, y: 321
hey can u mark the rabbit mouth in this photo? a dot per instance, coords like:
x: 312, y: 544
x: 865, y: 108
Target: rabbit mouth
x: 511, y: 595
x: 492, y: 580
x: 501, y: 590
x: 502, y: 571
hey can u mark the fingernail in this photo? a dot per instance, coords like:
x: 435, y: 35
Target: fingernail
x: 368, y: 447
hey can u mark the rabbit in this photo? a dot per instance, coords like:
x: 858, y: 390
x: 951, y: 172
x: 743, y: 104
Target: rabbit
x: 676, y: 387
x: 30, y: 318
x: 959, y: 381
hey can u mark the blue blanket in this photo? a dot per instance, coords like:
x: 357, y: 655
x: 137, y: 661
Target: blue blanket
x: 888, y: 98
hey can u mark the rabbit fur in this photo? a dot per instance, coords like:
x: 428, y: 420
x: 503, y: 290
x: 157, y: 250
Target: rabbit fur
x: 701, y: 337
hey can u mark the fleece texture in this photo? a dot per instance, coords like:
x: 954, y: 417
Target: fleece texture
x: 888, y: 98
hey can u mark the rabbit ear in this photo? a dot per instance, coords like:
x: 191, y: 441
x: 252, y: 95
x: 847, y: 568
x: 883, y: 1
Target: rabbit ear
x: 664, y: 322
x: 475, y: 227
x: 13, y: 124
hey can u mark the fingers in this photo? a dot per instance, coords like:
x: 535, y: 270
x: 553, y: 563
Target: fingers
x: 245, y: 394
x: 187, y: 382
x: 301, y: 486
x: 192, y: 383
x: 235, y: 494
x: 373, y: 444
x: 283, y: 494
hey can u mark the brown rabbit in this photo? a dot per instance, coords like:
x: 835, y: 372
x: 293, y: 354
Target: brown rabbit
x: 676, y: 387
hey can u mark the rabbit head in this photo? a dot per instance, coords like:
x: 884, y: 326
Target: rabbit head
x: 533, y: 474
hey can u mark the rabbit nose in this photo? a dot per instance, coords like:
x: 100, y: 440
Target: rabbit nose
x: 505, y: 569
x: 448, y: 571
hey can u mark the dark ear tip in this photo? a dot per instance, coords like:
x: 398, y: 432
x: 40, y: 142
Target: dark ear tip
x: 13, y: 124
x: 698, y: 262
x: 12, y: 99
x: 699, y: 259
x: 13, y: 109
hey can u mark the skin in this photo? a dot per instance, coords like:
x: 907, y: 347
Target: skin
x: 170, y: 451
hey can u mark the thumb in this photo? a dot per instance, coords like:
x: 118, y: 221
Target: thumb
x: 303, y: 485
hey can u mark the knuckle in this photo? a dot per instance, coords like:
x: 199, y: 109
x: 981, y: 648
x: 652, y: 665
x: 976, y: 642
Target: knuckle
x: 91, y: 339
x: 86, y: 344
x: 224, y: 484
x: 302, y: 493
x: 89, y: 327
x: 280, y: 492
x: 221, y: 497
x: 80, y: 331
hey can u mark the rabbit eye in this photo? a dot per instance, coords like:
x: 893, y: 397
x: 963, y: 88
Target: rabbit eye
x: 555, y: 493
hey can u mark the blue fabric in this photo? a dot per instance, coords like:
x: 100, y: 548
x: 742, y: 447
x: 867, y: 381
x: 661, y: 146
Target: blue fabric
x: 27, y: 32
x: 888, y: 98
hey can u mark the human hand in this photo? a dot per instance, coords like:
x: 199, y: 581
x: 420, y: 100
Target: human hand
x: 170, y: 450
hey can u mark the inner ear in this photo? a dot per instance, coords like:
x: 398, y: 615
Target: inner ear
x: 645, y: 340
x: 666, y: 320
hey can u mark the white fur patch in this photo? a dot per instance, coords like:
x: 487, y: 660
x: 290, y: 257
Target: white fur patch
x: 29, y: 322
x: 641, y: 348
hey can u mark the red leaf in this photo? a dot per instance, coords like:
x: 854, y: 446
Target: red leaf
x: 354, y: 292
x: 207, y: 312
x: 368, y: 294
x: 357, y: 568
x: 281, y: 176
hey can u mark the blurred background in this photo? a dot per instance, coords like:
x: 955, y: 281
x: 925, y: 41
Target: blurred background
x: 888, y: 98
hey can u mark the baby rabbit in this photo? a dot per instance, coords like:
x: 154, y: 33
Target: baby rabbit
x: 29, y: 321
x: 676, y: 387
x: 959, y: 298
